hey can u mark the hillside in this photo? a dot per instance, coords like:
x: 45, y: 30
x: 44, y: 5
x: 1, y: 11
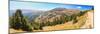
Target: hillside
x: 56, y: 19
x: 85, y: 21
x: 57, y: 14
x: 89, y: 21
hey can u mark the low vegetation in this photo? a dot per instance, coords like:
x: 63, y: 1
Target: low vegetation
x: 18, y: 21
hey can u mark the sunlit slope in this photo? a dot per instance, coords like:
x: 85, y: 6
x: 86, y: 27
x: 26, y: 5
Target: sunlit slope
x: 89, y: 21
x: 84, y: 21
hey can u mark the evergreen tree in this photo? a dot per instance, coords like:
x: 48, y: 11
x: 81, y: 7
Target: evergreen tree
x: 17, y: 19
x: 19, y: 22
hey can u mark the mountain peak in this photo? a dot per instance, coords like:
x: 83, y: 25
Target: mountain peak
x: 59, y: 9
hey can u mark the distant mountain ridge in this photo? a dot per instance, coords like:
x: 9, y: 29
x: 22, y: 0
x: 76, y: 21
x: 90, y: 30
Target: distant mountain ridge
x: 56, y: 13
x: 28, y: 13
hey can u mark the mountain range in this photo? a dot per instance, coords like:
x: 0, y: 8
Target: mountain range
x: 56, y: 14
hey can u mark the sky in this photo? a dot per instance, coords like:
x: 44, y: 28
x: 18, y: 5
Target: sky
x: 45, y: 6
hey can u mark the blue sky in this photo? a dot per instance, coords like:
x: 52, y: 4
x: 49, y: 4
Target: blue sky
x: 44, y: 6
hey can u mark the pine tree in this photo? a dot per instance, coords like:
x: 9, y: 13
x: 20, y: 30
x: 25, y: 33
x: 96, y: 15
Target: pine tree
x: 19, y: 22
x: 17, y: 19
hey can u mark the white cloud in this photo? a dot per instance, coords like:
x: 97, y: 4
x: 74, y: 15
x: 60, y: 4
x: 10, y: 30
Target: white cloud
x: 79, y: 7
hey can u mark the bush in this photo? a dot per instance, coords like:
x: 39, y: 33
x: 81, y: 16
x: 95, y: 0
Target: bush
x: 36, y: 26
x: 27, y: 27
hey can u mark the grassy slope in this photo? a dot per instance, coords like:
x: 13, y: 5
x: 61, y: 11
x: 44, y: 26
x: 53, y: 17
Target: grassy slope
x: 82, y: 23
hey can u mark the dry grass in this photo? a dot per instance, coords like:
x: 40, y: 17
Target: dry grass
x: 85, y: 21
x: 68, y: 25
x: 89, y: 21
x: 15, y: 31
